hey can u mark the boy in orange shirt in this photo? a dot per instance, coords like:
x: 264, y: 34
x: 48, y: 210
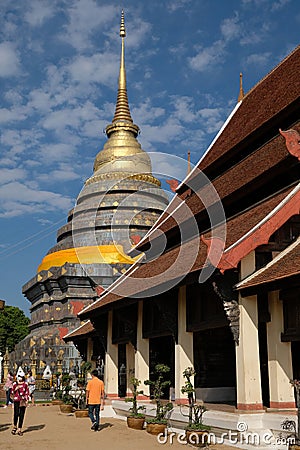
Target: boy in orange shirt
x: 95, y: 398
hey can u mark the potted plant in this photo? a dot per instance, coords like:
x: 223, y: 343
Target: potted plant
x: 290, y: 425
x: 79, y: 401
x: 196, y: 431
x: 67, y: 406
x: 158, y: 423
x: 136, y: 419
x: 57, y: 392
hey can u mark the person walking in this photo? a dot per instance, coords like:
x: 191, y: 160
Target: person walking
x: 95, y: 399
x: 20, y: 393
x: 8, y: 388
x: 31, y: 385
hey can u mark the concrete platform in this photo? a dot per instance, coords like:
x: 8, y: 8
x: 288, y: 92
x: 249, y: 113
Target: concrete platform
x: 245, y: 430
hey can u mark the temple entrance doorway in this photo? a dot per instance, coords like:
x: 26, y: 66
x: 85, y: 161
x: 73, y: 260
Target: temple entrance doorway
x: 295, y: 347
x: 214, y: 362
x: 162, y: 351
x: 122, y: 377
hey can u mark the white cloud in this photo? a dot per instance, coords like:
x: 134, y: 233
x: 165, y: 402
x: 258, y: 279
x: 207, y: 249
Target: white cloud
x: 8, y: 175
x: 162, y: 133
x: 56, y: 152
x: 17, y: 141
x: 63, y: 172
x: 208, y: 57
x: 259, y: 59
x: 230, y: 28
x: 85, y: 16
x: 17, y: 199
x: 184, y: 108
x: 177, y: 4
x: 10, y: 63
x: 146, y: 113
x: 100, y: 68
x: 39, y: 12
x: 279, y: 4
x: 137, y: 32
x: 212, y: 118
x: 40, y: 100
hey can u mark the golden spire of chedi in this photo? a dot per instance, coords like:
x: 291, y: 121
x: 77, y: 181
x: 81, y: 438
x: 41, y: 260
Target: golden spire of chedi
x: 122, y: 152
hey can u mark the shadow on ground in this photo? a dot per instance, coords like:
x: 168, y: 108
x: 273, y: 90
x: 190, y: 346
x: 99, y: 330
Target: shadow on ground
x: 4, y: 426
x: 105, y: 425
x: 34, y: 428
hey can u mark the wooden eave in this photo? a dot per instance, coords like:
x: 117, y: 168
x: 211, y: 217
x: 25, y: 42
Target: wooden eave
x: 257, y: 176
x: 282, y: 272
x: 143, y: 280
x: 82, y: 332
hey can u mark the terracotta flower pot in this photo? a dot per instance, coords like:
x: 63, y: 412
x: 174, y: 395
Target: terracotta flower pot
x: 136, y: 422
x: 66, y: 409
x: 81, y: 413
x: 57, y: 402
x: 156, y: 428
x: 197, y: 438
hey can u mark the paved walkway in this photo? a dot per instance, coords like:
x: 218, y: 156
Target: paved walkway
x: 46, y: 428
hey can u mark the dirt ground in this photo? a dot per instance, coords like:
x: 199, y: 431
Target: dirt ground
x: 46, y: 428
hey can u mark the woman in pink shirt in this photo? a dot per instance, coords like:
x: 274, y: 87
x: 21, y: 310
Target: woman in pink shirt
x: 20, y: 393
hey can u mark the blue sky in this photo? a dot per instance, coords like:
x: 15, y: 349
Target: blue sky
x: 58, y: 84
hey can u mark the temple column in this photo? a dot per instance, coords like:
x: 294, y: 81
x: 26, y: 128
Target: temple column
x: 279, y: 358
x: 111, y: 362
x: 141, y: 355
x: 183, y: 349
x: 248, y: 377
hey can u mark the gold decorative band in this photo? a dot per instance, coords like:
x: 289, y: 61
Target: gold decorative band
x: 122, y: 176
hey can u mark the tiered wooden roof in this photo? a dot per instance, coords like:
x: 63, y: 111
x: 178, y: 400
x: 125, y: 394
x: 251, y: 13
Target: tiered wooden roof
x: 82, y: 331
x: 284, y: 267
x: 248, y: 166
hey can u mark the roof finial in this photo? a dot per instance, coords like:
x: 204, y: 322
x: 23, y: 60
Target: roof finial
x: 122, y: 26
x: 189, y: 163
x: 241, y: 93
x: 122, y: 112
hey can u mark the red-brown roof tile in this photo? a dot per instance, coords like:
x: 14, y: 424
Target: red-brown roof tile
x: 285, y: 265
x: 270, y: 96
x: 191, y: 256
x: 82, y: 330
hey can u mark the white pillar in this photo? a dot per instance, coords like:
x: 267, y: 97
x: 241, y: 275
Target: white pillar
x: 111, y: 362
x: 248, y: 377
x: 183, y: 349
x: 142, y: 354
x: 279, y: 358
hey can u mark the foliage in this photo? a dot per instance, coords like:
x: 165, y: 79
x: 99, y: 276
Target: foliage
x: 158, y: 386
x: 66, y: 397
x: 13, y: 326
x: 134, y: 410
x: 290, y: 425
x: 196, y: 410
x: 86, y: 366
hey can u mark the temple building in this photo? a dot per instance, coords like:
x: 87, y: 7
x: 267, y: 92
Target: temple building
x: 116, y: 207
x: 218, y: 288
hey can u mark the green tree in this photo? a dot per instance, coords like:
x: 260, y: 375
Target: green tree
x: 13, y: 327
